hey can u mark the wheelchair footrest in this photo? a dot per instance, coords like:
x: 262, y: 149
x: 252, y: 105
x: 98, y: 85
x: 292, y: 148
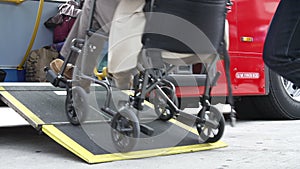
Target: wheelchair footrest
x: 53, y: 78
x: 191, y: 120
x: 187, y: 119
x: 146, y: 130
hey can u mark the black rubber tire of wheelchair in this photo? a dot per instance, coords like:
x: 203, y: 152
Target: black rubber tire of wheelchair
x: 220, y: 130
x: 73, y: 115
x: 162, y: 116
x: 70, y: 110
x: 125, y: 119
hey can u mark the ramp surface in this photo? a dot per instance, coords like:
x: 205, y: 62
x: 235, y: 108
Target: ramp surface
x: 43, y: 106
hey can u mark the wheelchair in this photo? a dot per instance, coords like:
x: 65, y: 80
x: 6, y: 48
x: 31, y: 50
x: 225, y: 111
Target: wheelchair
x: 155, y: 80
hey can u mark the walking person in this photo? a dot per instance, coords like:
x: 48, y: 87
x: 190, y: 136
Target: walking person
x: 282, y: 46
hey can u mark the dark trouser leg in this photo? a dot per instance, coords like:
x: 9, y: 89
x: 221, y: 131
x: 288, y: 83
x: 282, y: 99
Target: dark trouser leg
x: 282, y: 46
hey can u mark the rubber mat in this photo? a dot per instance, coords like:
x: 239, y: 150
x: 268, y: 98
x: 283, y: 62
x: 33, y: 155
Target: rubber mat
x: 43, y: 106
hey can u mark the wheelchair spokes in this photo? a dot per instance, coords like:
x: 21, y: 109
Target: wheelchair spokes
x: 125, y: 129
x: 207, y: 132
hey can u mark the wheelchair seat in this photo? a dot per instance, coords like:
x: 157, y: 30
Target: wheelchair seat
x: 185, y: 26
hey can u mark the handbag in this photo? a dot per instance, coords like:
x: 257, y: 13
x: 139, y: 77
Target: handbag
x: 61, y: 31
x: 37, y: 61
x: 63, y: 21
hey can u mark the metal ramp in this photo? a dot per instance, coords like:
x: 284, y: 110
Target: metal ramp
x: 43, y: 106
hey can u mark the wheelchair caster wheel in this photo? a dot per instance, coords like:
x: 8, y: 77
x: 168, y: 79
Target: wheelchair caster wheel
x: 125, y: 130
x: 76, y: 105
x: 208, y: 133
x: 161, y: 107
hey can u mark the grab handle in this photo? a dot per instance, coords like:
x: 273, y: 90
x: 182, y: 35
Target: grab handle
x: 13, y: 1
x: 36, y: 26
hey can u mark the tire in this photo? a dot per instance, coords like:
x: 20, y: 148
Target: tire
x: 279, y: 104
x: 76, y: 105
x: 162, y: 109
x: 70, y: 109
x: 125, y: 130
x: 208, y: 134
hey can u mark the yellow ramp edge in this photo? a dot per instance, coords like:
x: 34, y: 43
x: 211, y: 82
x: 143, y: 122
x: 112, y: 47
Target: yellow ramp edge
x: 91, y: 158
x: 87, y: 156
x: 21, y: 109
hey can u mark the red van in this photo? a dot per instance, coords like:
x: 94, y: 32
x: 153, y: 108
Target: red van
x: 260, y: 92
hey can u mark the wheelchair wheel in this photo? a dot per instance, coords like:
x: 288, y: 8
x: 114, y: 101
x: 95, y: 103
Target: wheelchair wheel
x: 125, y: 130
x: 206, y: 132
x: 161, y: 107
x: 70, y: 110
x: 76, y: 106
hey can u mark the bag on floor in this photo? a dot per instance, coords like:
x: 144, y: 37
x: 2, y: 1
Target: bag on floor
x: 37, y: 61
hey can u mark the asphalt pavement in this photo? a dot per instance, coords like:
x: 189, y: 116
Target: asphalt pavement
x: 251, y: 144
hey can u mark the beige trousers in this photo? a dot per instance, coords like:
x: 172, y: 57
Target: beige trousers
x: 125, y: 41
x: 103, y: 14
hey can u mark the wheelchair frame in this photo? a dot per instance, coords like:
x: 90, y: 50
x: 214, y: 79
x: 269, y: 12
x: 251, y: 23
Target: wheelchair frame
x: 125, y: 122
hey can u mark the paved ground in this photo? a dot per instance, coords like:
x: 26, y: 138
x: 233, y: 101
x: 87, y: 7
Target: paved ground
x: 252, y: 144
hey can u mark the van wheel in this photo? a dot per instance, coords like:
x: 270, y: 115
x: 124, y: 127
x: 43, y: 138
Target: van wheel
x: 282, y: 102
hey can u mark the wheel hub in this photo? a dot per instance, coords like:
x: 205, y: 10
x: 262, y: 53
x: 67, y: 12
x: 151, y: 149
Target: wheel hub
x: 292, y: 90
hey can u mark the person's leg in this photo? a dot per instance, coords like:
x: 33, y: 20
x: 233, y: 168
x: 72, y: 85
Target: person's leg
x: 103, y: 14
x: 78, y: 31
x: 125, y: 41
x: 282, y: 46
x: 79, y: 28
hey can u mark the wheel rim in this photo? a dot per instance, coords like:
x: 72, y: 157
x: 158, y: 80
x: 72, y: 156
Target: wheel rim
x: 122, y: 132
x: 292, y: 90
x: 206, y: 131
x: 79, y: 104
x: 125, y: 130
x: 70, y: 110
x: 166, y: 113
x: 208, y: 134
x: 160, y: 104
